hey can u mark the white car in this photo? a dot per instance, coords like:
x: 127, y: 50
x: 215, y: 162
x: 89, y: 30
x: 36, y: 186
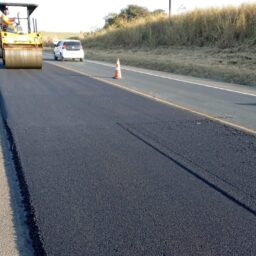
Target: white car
x: 68, y: 49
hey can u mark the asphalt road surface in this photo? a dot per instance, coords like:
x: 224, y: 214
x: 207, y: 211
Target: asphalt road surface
x: 227, y: 102
x: 108, y: 172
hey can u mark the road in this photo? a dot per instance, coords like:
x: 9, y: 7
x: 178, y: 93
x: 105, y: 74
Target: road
x: 108, y: 172
x: 227, y: 102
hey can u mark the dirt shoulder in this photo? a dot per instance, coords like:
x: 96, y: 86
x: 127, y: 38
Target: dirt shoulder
x: 7, y: 234
x: 236, y: 65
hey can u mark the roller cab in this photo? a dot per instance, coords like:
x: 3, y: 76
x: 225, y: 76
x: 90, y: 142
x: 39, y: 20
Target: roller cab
x: 21, y: 49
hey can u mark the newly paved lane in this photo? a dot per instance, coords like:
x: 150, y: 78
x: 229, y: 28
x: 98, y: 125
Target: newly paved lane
x: 109, y: 172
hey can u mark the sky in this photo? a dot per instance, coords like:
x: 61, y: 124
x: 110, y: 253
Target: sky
x: 84, y: 15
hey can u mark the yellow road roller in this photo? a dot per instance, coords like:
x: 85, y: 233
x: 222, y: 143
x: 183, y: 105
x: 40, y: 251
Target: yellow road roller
x: 21, y: 44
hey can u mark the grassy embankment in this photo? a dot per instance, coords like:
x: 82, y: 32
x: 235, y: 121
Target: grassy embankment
x: 48, y: 37
x: 211, y: 43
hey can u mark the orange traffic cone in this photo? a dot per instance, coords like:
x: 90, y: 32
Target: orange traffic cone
x: 118, y: 74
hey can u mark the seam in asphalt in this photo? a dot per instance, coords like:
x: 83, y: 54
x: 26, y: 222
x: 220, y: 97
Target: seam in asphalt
x: 34, y: 231
x: 191, y: 172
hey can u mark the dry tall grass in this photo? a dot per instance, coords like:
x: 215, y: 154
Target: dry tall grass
x: 48, y: 37
x: 223, y: 28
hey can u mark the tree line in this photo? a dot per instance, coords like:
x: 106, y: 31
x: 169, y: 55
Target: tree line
x: 129, y: 14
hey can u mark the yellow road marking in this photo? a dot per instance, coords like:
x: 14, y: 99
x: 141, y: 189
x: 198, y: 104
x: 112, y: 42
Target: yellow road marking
x: 240, y: 127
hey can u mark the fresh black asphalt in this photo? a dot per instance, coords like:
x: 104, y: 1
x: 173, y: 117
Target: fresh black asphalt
x: 109, y: 172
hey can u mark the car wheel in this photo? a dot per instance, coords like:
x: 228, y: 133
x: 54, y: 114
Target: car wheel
x: 81, y: 60
x: 55, y: 57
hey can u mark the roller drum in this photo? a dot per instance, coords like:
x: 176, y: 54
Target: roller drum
x: 23, y: 58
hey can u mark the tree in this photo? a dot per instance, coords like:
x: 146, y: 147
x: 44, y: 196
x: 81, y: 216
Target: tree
x: 133, y: 12
x: 128, y: 14
x: 110, y: 19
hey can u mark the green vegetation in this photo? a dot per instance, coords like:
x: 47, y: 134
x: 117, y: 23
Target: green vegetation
x: 223, y: 28
x: 129, y: 14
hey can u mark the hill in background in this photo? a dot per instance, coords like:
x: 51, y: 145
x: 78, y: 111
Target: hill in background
x: 49, y: 37
x: 220, y: 27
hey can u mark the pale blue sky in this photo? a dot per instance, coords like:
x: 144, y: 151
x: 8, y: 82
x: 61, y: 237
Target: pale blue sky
x: 84, y: 15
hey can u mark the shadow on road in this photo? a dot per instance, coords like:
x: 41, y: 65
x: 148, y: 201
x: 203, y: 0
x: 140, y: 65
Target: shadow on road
x: 246, y: 104
x: 48, y: 59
